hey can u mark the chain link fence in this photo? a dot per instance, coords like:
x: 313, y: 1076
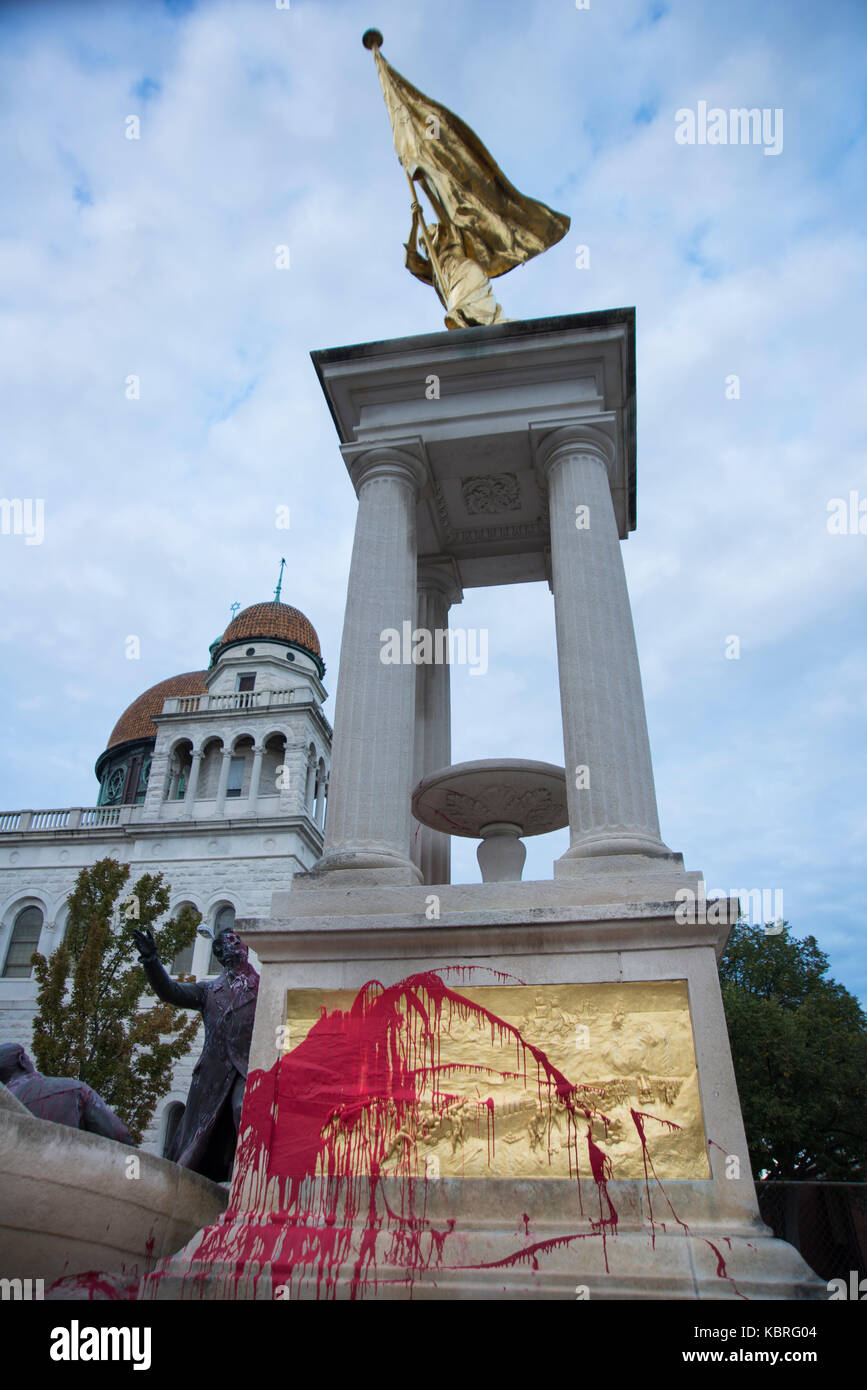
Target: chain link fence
x: 825, y: 1221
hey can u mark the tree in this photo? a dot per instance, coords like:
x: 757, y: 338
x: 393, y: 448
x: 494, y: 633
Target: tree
x: 799, y: 1047
x: 90, y: 1023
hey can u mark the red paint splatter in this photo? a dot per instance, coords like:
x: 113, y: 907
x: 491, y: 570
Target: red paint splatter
x: 711, y: 1143
x: 94, y: 1285
x: 722, y: 1272
x: 638, y: 1118
x: 330, y: 1184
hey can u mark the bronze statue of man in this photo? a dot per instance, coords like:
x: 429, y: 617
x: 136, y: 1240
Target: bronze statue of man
x: 61, y: 1099
x: 205, y: 1140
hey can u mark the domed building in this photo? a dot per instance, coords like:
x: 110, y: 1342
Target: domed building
x: 216, y: 778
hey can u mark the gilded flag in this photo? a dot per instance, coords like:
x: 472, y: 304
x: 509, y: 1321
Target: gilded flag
x: 497, y: 226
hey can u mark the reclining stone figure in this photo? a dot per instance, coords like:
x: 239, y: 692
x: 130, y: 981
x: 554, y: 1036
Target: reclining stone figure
x: 59, y: 1098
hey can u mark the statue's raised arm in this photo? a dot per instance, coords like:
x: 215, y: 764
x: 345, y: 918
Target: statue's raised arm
x: 184, y: 996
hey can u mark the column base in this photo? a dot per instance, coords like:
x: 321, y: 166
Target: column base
x: 615, y: 843
x: 360, y: 867
x: 588, y: 866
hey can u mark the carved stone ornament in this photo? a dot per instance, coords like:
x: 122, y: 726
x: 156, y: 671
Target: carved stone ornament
x: 493, y: 492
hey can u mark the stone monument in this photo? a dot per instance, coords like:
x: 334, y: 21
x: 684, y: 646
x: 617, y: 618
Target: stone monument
x: 507, y: 1088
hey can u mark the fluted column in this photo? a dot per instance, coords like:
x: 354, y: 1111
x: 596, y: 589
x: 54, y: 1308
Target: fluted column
x: 220, y: 807
x: 193, y: 784
x: 174, y: 775
x: 369, y: 814
x: 612, y: 805
x: 255, y: 778
x: 310, y: 786
x: 438, y: 589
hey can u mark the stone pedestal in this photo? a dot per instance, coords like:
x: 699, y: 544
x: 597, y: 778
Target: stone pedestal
x: 601, y: 1147
x: 504, y: 1089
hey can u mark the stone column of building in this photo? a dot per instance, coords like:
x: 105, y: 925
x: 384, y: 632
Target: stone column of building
x: 290, y: 779
x: 310, y: 785
x: 438, y: 589
x: 220, y: 807
x: 369, y: 813
x: 154, y: 796
x: 193, y: 784
x: 321, y: 794
x: 609, y: 777
x: 255, y: 779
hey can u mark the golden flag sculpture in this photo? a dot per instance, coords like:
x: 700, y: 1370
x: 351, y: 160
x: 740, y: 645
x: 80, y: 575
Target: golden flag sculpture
x: 485, y: 227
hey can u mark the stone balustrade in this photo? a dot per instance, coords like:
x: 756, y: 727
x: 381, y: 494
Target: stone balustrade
x: 232, y: 700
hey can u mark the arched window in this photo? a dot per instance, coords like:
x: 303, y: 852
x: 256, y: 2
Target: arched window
x: 22, y: 943
x: 174, y: 1115
x: 224, y: 919
x: 183, y: 961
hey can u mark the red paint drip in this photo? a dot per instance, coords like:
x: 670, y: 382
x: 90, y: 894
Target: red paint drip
x: 94, y: 1285
x: 331, y: 1182
x: 722, y: 1272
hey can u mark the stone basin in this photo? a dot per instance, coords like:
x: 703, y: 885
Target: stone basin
x: 73, y: 1203
x: 497, y: 801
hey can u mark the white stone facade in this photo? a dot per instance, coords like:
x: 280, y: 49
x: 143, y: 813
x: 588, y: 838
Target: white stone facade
x: 214, y: 849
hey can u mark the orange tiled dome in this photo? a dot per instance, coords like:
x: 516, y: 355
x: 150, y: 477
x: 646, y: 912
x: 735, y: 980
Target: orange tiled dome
x: 272, y: 621
x: 136, y: 721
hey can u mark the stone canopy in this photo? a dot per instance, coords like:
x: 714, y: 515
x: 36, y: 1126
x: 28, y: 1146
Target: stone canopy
x: 472, y: 408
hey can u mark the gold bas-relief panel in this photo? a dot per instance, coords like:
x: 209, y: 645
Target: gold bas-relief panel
x: 490, y: 1102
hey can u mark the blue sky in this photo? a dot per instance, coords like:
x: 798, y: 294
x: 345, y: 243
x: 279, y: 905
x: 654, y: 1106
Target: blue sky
x: 262, y: 127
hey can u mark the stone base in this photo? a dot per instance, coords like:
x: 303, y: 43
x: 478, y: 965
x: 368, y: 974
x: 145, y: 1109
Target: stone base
x: 363, y: 869
x: 606, y: 846
x: 494, y: 1240
x: 589, y: 866
x: 597, y: 1140
x: 72, y: 1202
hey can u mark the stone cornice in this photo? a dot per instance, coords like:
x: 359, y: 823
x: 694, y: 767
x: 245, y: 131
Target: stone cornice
x: 607, y: 928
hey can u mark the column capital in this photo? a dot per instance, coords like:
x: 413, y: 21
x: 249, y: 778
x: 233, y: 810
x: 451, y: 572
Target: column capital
x: 403, y: 460
x: 553, y: 443
x: 440, y: 573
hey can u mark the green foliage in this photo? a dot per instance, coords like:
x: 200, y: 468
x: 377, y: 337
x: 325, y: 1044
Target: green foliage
x: 90, y: 1023
x: 799, y: 1046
